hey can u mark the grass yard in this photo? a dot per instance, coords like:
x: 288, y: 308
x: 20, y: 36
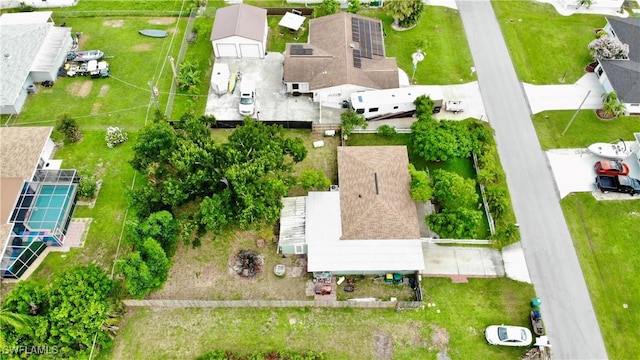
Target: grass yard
x: 454, y: 325
x: 545, y: 46
x: 605, y: 235
x: 441, y: 35
x: 92, y: 156
x: 585, y: 130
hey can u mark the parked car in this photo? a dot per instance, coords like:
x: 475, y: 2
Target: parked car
x: 508, y: 335
x: 322, y: 289
x: 247, y: 105
x: 611, y: 167
x: 618, y: 183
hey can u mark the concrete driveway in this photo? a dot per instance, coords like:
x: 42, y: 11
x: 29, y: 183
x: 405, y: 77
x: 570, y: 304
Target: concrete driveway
x: 461, y: 261
x: 573, y: 172
x: 272, y: 102
x: 565, y: 97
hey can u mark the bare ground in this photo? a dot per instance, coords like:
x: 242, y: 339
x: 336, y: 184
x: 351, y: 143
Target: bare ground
x: 142, y: 47
x: 95, y: 109
x: 383, y: 347
x: 103, y: 90
x: 162, y: 21
x: 114, y: 23
x: 205, y: 273
x: 80, y: 89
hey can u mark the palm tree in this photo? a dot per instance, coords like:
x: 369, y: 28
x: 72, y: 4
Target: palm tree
x: 611, y: 105
x: 19, y: 322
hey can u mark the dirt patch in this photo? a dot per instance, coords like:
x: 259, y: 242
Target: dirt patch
x: 142, y: 47
x: 95, y: 110
x: 383, y: 347
x: 440, y: 341
x: 114, y: 23
x: 80, y: 89
x: 103, y: 90
x: 162, y: 21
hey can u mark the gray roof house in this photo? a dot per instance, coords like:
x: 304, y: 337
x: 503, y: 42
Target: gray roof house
x: 32, y: 50
x: 37, y: 198
x: 345, y: 53
x: 623, y: 76
x: 367, y: 225
x: 240, y: 31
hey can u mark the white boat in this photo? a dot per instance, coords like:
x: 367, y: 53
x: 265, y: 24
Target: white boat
x: 618, y: 150
x: 220, y: 78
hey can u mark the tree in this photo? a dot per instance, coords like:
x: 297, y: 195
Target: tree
x: 611, y: 105
x: 458, y: 223
x: 405, y: 13
x: 440, y: 140
x: 354, y: 6
x: 20, y: 323
x: 607, y: 47
x: 421, y: 189
x: 69, y: 129
x: 189, y: 76
x: 424, y: 107
x: 349, y: 120
x: 452, y: 191
x: 215, y: 211
x: 314, y: 180
x: 327, y: 7
x: 160, y: 226
x: 145, y: 270
x: 156, y: 143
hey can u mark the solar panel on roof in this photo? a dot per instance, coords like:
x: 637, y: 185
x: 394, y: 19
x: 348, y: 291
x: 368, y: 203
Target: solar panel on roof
x: 365, y: 38
x: 307, y: 51
x: 355, y: 29
x: 377, y: 40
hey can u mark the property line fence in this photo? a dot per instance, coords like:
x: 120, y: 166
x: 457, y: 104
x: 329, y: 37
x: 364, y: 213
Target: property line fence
x: 457, y: 241
x: 485, y: 203
x: 273, y: 304
x: 178, y: 61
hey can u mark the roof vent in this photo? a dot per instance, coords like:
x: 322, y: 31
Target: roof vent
x: 7, y: 55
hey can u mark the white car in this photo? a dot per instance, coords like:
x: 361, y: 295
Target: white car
x: 508, y: 335
x: 247, y: 105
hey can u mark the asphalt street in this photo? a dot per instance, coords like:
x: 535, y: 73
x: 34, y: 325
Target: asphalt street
x: 554, y: 269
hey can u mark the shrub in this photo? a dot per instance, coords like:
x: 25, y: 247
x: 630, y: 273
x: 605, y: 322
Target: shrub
x: 386, y: 130
x: 69, y: 129
x: 87, y: 187
x: 115, y: 136
x: 314, y: 180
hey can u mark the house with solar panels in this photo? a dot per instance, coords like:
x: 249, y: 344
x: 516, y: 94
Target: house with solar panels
x: 36, y: 201
x: 345, y: 53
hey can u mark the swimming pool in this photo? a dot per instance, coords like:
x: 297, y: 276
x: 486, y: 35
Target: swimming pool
x: 50, y: 207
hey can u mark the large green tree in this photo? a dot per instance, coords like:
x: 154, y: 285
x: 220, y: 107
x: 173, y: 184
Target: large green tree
x: 441, y: 140
x: 146, y: 269
x: 452, y: 191
x: 405, y: 13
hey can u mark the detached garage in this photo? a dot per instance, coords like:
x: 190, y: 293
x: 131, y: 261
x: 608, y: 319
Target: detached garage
x: 240, y: 31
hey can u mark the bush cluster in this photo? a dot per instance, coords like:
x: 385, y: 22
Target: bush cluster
x: 115, y: 136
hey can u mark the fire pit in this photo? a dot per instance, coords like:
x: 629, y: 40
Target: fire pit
x: 248, y: 263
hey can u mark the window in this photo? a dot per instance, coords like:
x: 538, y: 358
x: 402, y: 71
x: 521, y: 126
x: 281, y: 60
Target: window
x: 373, y: 109
x: 298, y: 249
x: 599, y: 71
x: 395, y: 107
x: 360, y: 111
x: 295, y: 86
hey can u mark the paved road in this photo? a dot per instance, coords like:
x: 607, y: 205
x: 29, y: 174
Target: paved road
x: 553, y: 265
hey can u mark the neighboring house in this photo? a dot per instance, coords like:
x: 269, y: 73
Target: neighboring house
x: 345, y: 53
x: 240, y: 31
x: 369, y: 225
x: 623, y: 76
x: 37, y: 197
x: 32, y: 50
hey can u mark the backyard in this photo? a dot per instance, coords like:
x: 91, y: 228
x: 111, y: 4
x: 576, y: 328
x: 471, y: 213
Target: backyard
x: 453, y: 325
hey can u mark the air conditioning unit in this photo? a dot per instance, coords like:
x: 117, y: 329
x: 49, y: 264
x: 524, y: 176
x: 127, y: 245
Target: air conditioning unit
x: 335, y: 188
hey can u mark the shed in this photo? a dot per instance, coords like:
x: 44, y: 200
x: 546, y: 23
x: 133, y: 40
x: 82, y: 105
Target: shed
x: 240, y: 31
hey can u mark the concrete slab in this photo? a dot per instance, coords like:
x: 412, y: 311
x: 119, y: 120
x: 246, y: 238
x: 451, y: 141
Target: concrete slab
x: 462, y: 261
x: 515, y: 265
x: 573, y: 172
x: 565, y: 97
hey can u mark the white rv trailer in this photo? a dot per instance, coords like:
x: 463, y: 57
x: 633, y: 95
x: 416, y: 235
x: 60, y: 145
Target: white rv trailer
x: 392, y: 103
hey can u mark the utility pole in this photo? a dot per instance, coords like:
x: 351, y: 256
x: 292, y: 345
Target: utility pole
x: 154, y: 94
x: 576, y: 113
x: 173, y: 67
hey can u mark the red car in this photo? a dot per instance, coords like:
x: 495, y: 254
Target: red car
x: 611, y: 167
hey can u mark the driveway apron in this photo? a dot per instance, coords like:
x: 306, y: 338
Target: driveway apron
x: 551, y: 258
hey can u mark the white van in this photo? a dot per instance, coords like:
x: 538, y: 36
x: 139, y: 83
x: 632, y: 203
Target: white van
x: 247, y: 105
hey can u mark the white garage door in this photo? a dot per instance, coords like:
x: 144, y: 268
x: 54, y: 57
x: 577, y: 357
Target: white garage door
x: 249, y: 51
x: 227, y: 50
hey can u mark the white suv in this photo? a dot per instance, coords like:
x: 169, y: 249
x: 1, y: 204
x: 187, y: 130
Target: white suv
x: 247, y: 105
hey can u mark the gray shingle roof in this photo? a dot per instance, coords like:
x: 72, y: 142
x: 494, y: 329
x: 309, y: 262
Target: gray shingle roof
x: 624, y: 75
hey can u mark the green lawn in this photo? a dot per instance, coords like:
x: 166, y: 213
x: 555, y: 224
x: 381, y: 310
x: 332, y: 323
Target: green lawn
x: 544, y: 45
x: 460, y: 314
x: 605, y: 235
x: 441, y: 35
x: 585, y: 130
